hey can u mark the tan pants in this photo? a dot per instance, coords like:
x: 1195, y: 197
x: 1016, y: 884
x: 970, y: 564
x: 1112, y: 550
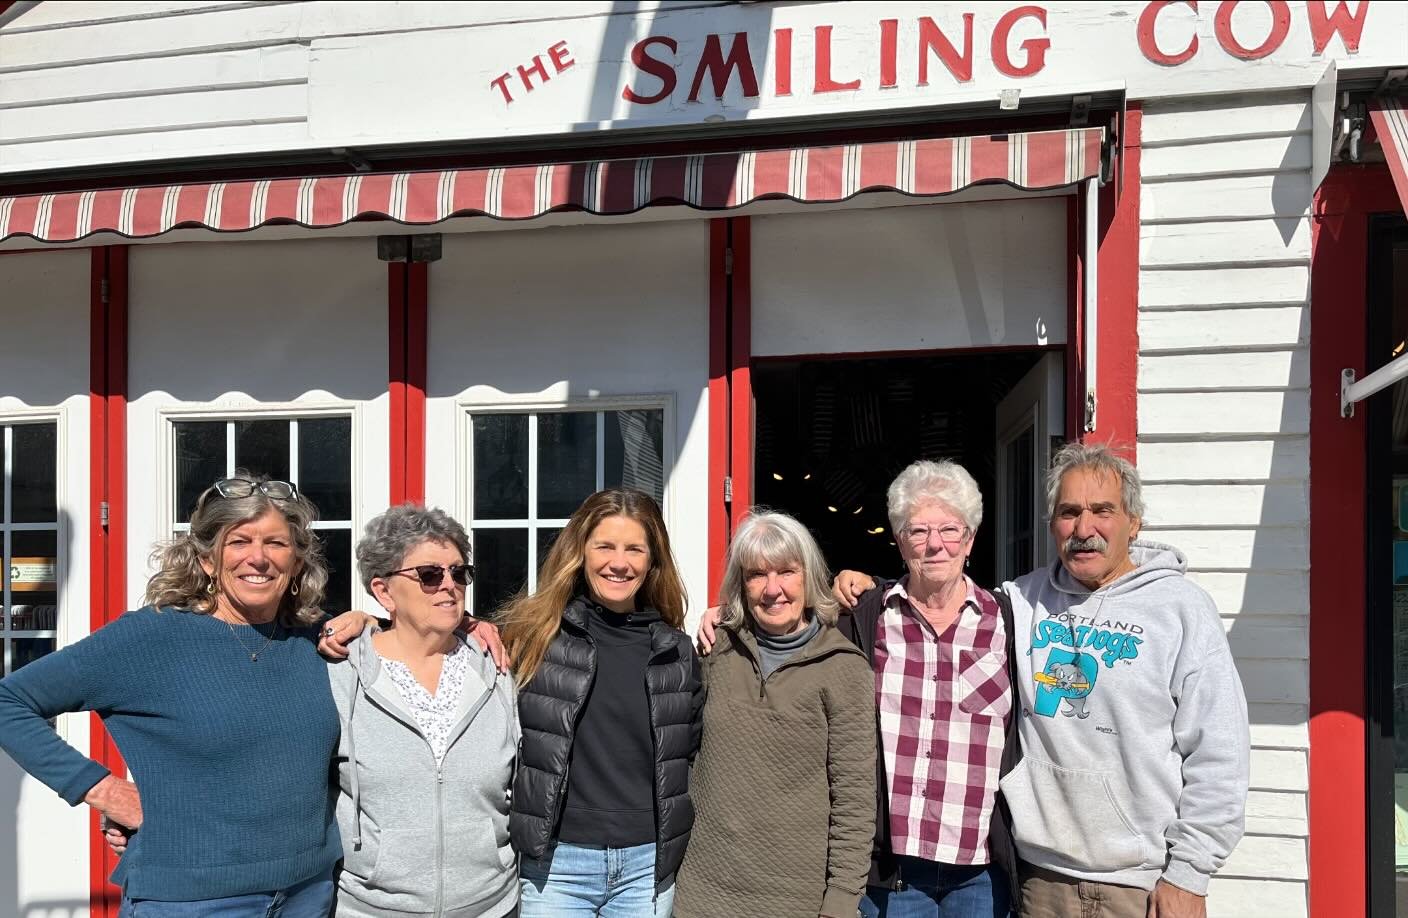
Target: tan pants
x: 1047, y: 894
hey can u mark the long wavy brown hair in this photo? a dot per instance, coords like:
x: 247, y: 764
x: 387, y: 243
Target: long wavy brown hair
x: 531, y: 622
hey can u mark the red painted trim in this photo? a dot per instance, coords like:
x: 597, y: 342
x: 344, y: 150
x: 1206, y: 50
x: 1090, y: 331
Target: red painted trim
x: 1075, y: 318
x: 107, y: 483
x: 924, y: 352
x: 396, y: 373
x: 417, y: 345
x: 1339, y: 803
x: 1116, y: 403
x: 740, y: 376
x: 718, y: 403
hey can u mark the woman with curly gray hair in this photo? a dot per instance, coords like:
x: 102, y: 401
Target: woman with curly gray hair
x: 234, y: 812
x: 429, y: 735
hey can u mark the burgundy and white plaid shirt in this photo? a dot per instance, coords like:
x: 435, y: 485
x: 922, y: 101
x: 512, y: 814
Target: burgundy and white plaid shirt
x: 943, y: 703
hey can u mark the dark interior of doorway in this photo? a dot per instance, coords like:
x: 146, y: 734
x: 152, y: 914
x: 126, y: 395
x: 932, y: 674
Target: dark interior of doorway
x: 830, y: 436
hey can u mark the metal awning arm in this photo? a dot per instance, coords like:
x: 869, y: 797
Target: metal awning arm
x: 1352, y: 391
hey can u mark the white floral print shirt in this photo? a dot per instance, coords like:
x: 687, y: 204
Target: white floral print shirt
x: 434, y: 715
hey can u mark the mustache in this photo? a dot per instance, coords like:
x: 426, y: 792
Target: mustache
x: 1094, y: 543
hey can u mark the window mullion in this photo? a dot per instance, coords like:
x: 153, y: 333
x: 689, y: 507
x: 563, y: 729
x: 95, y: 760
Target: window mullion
x: 293, y: 451
x: 229, y: 449
x: 532, y: 533
x: 600, y: 450
x: 5, y: 608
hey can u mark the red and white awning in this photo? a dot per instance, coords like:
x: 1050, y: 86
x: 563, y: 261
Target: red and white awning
x: 713, y: 181
x: 1390, y: 119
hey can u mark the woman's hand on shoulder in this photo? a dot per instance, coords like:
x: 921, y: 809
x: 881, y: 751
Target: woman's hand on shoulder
x: 849, y: 586
x: 705, y: 638
x: 341, y: 631
x: 486, y: 635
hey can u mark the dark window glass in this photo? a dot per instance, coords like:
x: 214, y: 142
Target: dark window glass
x: 325, y: 465
x: 337, y: 549
x: 635, y: 451
x: 500, y: 466
x: 27, y: 650
x: 545, y: 539
x: 500, y: 567
x: 1022, y: 481
x: 200, y: 460
x: 261, y: 448
x: 566, y: 462
x: 34, y: 474
x: 2, y: 467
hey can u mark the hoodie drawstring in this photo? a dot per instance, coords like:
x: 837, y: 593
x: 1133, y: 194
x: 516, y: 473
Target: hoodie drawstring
x: 352, y: 760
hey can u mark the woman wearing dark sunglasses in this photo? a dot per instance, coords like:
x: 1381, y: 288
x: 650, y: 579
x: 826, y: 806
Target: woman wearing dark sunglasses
x: 429, y: 735
x: 221, y: 708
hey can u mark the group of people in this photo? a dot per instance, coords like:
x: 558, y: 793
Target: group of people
x: 1072, y: 743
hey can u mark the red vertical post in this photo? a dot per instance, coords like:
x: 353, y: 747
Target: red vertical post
x: 417, y: 348
x: 740, y: 375
x: 1075, y: 324
x: 1117, y: 266
x: 107, y: 528
x: 396, y: 272
x: 718, y: 401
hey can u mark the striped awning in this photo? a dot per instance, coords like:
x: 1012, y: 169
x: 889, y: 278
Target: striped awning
x: 1390, y: 119
x: 714, y: 181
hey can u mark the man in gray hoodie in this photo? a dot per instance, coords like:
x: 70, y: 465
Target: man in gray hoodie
x: 1133, y: 783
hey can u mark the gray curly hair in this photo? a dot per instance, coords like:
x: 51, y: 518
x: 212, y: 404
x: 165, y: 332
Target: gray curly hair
x: 181, y: 583
x: 1101, y: 459
x: 389, y: 537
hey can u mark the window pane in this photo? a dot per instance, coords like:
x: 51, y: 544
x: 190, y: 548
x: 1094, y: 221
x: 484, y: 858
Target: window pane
x: 33, y: 574
x: 33, y: 482
x: 27, y: 650
x: 500, y: 466
x: 500, y: 567
x: 261, y: 448
x: 337, y: 549
x: 325, y: 465
x: 566, y: 462
x: 2, y: 472
x: 200, y: 460
x: 545, y: 539
x: 635, y: 451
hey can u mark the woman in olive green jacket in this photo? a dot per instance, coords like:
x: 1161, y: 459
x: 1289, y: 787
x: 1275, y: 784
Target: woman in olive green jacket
x: 784, y: 785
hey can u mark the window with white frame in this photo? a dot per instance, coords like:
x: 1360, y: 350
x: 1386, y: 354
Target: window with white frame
x: 313, y: 452
x: 29, y: 527
x: 532, y: 470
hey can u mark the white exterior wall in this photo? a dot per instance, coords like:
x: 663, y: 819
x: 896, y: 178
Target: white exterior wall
x: 936, y: 276
x: 230, y: 329
x: 572, y: 316
x: 1224, y: 408
x: 44, y: 374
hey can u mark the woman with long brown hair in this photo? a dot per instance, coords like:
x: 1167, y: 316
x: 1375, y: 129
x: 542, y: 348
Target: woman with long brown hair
x: 609, y: 701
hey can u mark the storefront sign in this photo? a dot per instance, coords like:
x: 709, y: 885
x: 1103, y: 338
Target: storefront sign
x: 33, y: 574
x: 759, y: 61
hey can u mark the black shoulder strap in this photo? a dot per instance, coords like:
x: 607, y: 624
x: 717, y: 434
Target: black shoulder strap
x: 1004, y: 603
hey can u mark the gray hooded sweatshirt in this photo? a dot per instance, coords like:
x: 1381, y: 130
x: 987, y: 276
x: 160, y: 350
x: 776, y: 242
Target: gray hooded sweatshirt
x: 422, y: 838
x: 1133, y: 725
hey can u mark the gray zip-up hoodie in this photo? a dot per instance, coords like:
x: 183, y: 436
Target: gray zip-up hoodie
x: 1134, y: 727
x: 421, y: 838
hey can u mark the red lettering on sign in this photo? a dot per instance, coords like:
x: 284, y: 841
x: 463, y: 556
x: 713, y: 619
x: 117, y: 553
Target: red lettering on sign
x: 712, y: 62
x: 1349, y: 26
x: 665, y: 73
x: 823, y: 81
x: 1149, y: 44
x: 558, y: 54
x: 782, y: 57
x: 889, y: 53
x: 1280, y: 28
x: 537, y: 68
x: 932, y: 38
x: 1035, y: 48
x: 502, y: 83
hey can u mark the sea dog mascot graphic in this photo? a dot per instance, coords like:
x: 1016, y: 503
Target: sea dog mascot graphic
x: 1069, y: 675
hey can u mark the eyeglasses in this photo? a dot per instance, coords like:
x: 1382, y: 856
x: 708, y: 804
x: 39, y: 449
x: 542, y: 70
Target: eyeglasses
x: 949, y: 535
x: 432, y: 575
x: 236, y: 488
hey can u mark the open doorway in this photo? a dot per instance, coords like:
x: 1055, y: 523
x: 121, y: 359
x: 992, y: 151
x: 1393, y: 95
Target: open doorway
x: 830, y: 436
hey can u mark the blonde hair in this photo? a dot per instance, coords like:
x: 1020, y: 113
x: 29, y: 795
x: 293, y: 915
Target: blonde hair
x: 181, y: 583
x: 766, y: 538
x: 531, y: 622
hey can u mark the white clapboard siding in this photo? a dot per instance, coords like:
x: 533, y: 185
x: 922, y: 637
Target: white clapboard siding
x: 1255, y: 592
x: 1279, y: 725
x: 1224, y: 370
x: 1195, y: 245
x: 1260, y: 898
x: 71, y: 13
x: 1279, y: 770
x: 1229, y: 157
x: 1238, y: 197
x: 1268, y: 855
x: 1263, y: 114
x: 1275, y: 681
x: 1282, y: 548
x: 1224, y: 329
x: 1225, y: 504
x: 1224, y: 413
x: 204, y: 141
x: 1239, y: 285
x: 109, y: 117
x: 1250, y: 639
x: 1285, y: 458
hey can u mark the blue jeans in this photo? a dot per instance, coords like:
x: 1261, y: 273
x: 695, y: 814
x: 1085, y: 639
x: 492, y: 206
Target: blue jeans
x: 933, y: 890
x: 312, y: 898
x: 580, y: 880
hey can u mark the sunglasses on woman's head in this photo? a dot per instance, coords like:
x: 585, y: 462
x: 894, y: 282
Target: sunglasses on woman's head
x: 236, y: 488
x: 432, y: 575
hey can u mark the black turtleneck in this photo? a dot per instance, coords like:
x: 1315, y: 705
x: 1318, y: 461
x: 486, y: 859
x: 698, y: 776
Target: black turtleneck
x: 611, y: 780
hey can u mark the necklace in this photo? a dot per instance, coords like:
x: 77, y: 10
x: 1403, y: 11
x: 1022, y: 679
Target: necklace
x: 254, y: 654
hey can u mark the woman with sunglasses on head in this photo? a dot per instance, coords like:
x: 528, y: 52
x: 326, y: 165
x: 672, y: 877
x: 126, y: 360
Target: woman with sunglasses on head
x: 195, y: 688
x: 610, y: 700
x: 429, y: 736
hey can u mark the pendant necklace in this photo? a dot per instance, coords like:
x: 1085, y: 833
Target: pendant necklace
x: 254, y: 654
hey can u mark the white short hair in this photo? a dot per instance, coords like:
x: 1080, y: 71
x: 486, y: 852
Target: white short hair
x: 1102, y: 460
x: 766, y: 538
x: 944, y: 482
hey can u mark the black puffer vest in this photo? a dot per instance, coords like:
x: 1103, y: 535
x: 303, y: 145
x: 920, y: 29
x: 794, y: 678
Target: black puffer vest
x: 549, y: 708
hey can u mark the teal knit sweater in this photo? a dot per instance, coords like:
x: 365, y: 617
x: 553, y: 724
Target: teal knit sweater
x: 231, y: 756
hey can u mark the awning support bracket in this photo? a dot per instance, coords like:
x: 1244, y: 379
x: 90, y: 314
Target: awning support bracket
x: 1352, y: 390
